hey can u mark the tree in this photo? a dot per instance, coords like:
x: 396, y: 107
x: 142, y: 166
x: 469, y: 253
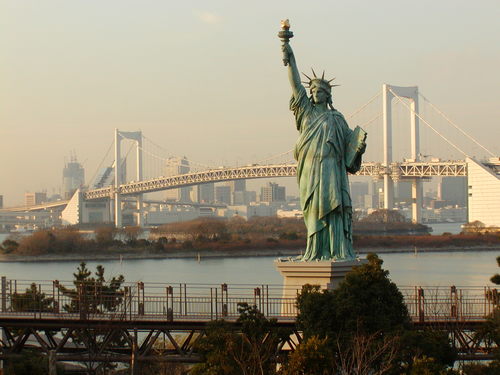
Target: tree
x: 39, y: 242
x: 473, y: 227
x: 385, y: 216
x: 366, y: 302
x: 9, y: 246
x: 93, y: 294
x: 426, y: 350
x: 495, y: 279
x: 132, y: 233
x: 105, y: 235
x: 253, y: 351
x: 312, y: 357
x: 31, y: 362
x: 32, y: 300
x: 366, y: 325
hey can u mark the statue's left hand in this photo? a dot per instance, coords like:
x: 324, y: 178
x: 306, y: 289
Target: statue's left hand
x: 362, y: 148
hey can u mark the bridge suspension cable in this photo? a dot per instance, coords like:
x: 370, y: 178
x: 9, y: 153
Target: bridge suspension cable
x: 101, y: 163
x: 369, y: 122
x: 171, y: 161
x: 191, y: 162
x: 427, y: 123
x: 455, y: 125
x: 274, y: 157
x: 364, y: 106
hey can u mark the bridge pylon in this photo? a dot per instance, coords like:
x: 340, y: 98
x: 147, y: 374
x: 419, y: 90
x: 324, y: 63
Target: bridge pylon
x: 137, y: 137
x: 388, y: 93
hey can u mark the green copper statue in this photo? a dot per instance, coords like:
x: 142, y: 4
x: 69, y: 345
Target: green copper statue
x: 327, y: 149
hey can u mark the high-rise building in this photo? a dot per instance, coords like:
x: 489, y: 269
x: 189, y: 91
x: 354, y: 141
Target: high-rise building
x: 73, y: 177
x: 32, y: 199
x: 237, y: 185
x: 238, y: 192
x: 223, y: 194
x: 454, y: 191
x: 272, y: 192
x: 206, y: 193
x: 358, y: 191
x: 176, y: 166
x: 1, y: 201
x: 403, y: 192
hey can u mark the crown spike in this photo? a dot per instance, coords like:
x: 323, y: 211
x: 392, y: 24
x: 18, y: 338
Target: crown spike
x: 331, y: 79
x: 309, y: 78
x: 314, y: 73
x: 323, y: 75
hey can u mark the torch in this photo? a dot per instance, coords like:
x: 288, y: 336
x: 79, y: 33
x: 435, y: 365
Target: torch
x: 285, y: 35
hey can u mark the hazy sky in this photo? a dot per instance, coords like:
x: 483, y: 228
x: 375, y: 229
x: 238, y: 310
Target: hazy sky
x: 205, y: 78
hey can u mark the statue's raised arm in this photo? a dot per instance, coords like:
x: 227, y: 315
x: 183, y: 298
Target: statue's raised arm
x: 289, y: 58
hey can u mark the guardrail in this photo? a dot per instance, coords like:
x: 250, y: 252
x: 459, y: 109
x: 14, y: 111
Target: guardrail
x: 204, y: 302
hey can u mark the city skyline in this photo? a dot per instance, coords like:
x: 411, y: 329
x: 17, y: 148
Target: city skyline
x: 211, y: 75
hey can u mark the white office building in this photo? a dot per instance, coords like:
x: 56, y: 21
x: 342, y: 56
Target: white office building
x: 484, y: 191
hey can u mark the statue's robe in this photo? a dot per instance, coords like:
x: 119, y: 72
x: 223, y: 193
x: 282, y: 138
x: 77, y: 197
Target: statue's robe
x: 322, y: 176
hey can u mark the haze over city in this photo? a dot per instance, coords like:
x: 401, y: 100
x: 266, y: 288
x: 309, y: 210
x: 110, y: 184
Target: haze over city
x: 206, y: 80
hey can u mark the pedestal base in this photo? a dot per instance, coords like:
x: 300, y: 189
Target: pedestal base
x: 327, y: 274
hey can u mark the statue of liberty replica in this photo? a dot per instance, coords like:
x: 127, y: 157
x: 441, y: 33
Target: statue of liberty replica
x: 326, y: 150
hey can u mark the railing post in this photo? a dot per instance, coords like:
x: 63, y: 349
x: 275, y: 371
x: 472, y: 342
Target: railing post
x: 180, y: 299
x: 421, y: 305
x: 267, y: 300
x: 211, y: 304
x: 454, y: 302
x: 185, y: 300
x: 4, y: 294
x: 224, y: 305
x: 256, y: 296
x: 170, y: 309
x: 82, y: 302
x: 130, y: 302
x: 55, y: 289
x: 125, y: 301
x: 140, y: 297
x: 216, y: 305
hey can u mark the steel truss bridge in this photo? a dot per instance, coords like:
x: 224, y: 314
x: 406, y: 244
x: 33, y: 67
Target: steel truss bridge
x: 177, y: 315
x: 376, y: 170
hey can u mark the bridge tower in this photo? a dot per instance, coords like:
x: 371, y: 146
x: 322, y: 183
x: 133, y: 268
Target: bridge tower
x: 388, y: 93
x: 137, y: 137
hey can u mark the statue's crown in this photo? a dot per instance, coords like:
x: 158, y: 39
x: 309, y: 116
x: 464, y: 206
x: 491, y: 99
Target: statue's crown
x: 321, y: 82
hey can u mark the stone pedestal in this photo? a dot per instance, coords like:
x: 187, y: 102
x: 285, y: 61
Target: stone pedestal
x: 327, y: 274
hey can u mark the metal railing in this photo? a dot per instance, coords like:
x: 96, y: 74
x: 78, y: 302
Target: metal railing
x: 204, y: 302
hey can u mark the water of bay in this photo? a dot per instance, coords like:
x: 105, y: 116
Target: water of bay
x: 473, y: 268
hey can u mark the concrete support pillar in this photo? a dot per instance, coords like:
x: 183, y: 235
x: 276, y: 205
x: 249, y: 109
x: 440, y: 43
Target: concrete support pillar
x: 117, y: 197
x: 140, y: 222
x: 387, y: 136
x: 135, y: 368
x: 416, y: 189
x: 416, y: 201
x: 52, y: 362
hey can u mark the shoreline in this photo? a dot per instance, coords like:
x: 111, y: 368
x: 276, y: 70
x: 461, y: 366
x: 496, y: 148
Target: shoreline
x: 239, y: 253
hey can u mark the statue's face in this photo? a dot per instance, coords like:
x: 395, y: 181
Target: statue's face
x: 319, y: 95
